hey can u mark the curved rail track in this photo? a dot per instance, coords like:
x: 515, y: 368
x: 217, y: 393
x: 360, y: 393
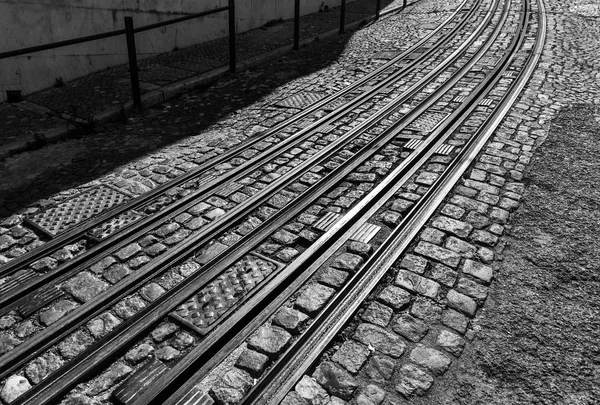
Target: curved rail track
x: 376, y: 135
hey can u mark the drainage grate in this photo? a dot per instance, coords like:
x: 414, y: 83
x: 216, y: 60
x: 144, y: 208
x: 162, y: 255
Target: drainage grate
x: 326, y: 222
x: 486, y: 102
x: 41, y: 299
x: 196, y: 396
x: 460, y: 99
x: 76, y: 209
x: 300, y: 100
x: 442, y: 150
x: 133, y: 387
x: 16, y: 279
x: 229, y: 189
x: 206, y: 306
x: 113, y: 225
x: 365, y: 233
x: 428, y: 122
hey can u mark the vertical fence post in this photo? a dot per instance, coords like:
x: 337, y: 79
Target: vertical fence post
x: 296, y: 24
x: 232, y: 57
x: 378, y: 10
x: 343, y: 17
x: 133, y: 67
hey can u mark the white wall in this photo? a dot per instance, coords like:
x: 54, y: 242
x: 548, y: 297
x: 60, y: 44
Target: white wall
x: 26, y: 23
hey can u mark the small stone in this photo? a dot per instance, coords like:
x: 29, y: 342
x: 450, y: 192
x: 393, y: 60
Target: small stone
x: 333, y: 277
x: 287, y: 254
x: 443, y: 274
x: 198, y: 208
x: 42, y: 366
x: 458, y: 228
x: 85, y: 286
x: 335, y: 380
x: 103, y: 264
x: 416, y: 264
x: 167, y: 229
x: 465, y: 249
x: 188, y: 268
x: 238, y: 379
x: 391, y: 218
x: 195, y: 224
x: 360, y: 248
x: 252, y: 362
x: 182, y: 341
x: 377, y: 314
x: 472, y: 289
x: 128, y: 251
x: 451, y: 342
x: 461, y: 302
x: 7, y: 321
x: 314, y: 298
x: 56, y: 311
x: 139, y: 353
x: 103, y: 324
x: 6, y: 242
x: 109, y: 378
x: 432, y: 235
x: 167, y: 353
x: 45, y: 264
x: 214, y: 214
x: 411, y: 328
x: 289, y: 319
x: 351, y: 356
x: 380, y: 339
x: 211, y: 252
x: 7, y: 342
x: 62, y: 255
x: 152, y: 291
x: 371, y: 395
x: 226, y: 395
x: 426, y: 309
x: 285, y: 237
x: 431, y: 359
x: 437, y: 253
x: 416, y: 283
x: 116, y: 273
x: 455, y: 320
x: 164, y: 332
x: 380, y: 368
x: 413, y: 381
x: 395, y: 297
x: 293, y: 398
x: 309, y: 389
x: 129, y: 307
x: 270, y: 340
x: 14, y: 387
x: 75, y: 344
x: 25, y: 329
x: 477, y: 270
x: 348, y: 261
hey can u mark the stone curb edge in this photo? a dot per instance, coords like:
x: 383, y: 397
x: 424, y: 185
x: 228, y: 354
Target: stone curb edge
x: 158, y: 96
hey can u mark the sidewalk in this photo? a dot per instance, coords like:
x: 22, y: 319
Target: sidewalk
x: 79, y: 105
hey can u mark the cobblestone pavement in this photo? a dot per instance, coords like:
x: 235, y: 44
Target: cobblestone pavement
x: 83, y: 98
x: 406, y: 344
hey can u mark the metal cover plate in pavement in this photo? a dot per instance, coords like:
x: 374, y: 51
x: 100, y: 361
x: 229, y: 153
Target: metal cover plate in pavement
x: 196, y: 396
x: 444, y: 149
x: 385, y: 55
x: 300, y: 100
x: 326, y: 222
x: 428, y: 122
x: 206, y: 306
x: 135, y: 385
x: 16, y: 279
x: 115, y: 224
x: 365, y: 233
x: 76, y: 209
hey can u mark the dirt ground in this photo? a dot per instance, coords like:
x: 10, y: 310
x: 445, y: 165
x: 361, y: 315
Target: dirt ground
x: 537, y: 340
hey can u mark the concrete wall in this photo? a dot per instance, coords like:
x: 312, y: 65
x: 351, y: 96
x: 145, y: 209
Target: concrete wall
x: 26, y: 23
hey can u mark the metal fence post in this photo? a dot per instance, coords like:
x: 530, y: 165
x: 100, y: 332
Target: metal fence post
x: 232, y: 57
x: 297, y: 24
x: 343, y: 17
x: 377, y: 11
x: 133, y: 67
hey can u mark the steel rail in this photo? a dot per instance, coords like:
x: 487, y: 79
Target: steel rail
x: 80, y: 230
x: 79, y: 374
x: 306, y: 350
x: 145, y: 225
x: 206, y: 362
x: 84, y: 313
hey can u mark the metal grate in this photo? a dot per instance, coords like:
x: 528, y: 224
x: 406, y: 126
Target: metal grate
x: 460, y: 99
x: 203, y: 309
x: 300, y: 100
x: 229, y: 189
x: 326, y: 222
x: 40, y: 299
x: 428, y: 122
x: 113, y: 225
x: 16, y: 279
x: 486, y: 102
x: 196, y: 396
x: 76, y: 209
x: 134, y: 386
x: 442, y: 150
x: 365, y: 233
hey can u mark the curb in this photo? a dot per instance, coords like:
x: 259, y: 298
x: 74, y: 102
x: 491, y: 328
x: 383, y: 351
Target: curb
x: 162, y: 94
